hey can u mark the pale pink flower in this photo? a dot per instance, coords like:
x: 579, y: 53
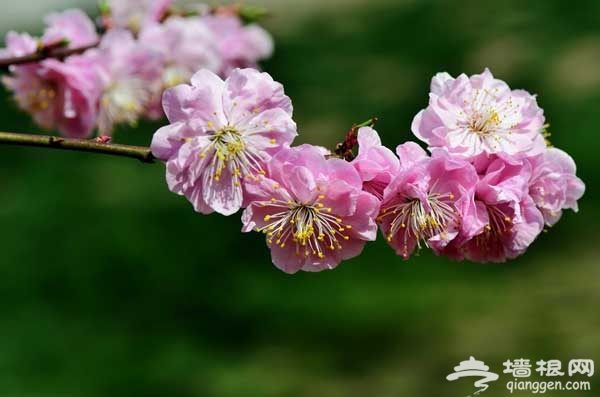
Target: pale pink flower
x: 134, y: 14
x: 18, y: 45
x: 220, y: 132
x: 505, y: 221
x: 313, y: 211
x: 58, y: 95
x: 186, y: 46
x: 376, y: 164
x: 129, y: 71
x: 239, y: 45
x: 554, y: 185
x: 73, y: 26
x: 426, y: 202
x: 470, y: 116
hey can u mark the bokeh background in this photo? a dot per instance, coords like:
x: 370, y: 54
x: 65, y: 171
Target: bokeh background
x: 112, y: 286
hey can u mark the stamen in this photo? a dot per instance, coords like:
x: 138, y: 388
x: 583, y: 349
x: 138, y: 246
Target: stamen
x: 311, y: 230
x: 420, y: 221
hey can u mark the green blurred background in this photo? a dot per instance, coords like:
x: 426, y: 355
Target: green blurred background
x: 112, y: 286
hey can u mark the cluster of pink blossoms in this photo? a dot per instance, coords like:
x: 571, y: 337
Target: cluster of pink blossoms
x: 148, y: 46
x: 485, y: 191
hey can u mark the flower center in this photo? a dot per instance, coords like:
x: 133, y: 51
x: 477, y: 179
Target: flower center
x: 174, y: 75
x: 41, y: 99
x: 122, y: 102
x: 232, y: 153
x: 310, y: 227
x: 418, y: 220
x: 484, y: 123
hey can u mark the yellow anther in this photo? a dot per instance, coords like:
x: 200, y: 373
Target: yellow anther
x: 266, y: 218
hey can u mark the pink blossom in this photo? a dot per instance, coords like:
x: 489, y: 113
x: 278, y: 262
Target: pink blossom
x: 410, y: 153
x: 73, y: 25
x: 554, y: 185
x: 239, y: 45
x: 59, y: 95
x: 313, y: 211
x: 129, y: 71
x: 220, y: 132
x: 468, y: 116
x: 375, y: 163
x: 186, y: 46
x: 426, y: 202
x: 134, y: 14
x: 506, y: 220
x: 18, y: 45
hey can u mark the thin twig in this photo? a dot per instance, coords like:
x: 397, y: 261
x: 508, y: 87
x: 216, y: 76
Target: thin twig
x: 141, y: 153
x: 57, y: 53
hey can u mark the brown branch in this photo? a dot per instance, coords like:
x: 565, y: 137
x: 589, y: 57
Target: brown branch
x: 141, y: 153
x: 41, y: 54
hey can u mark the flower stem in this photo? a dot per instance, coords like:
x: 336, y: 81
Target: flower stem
x: 144, y: 154
x: 41, y: 54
